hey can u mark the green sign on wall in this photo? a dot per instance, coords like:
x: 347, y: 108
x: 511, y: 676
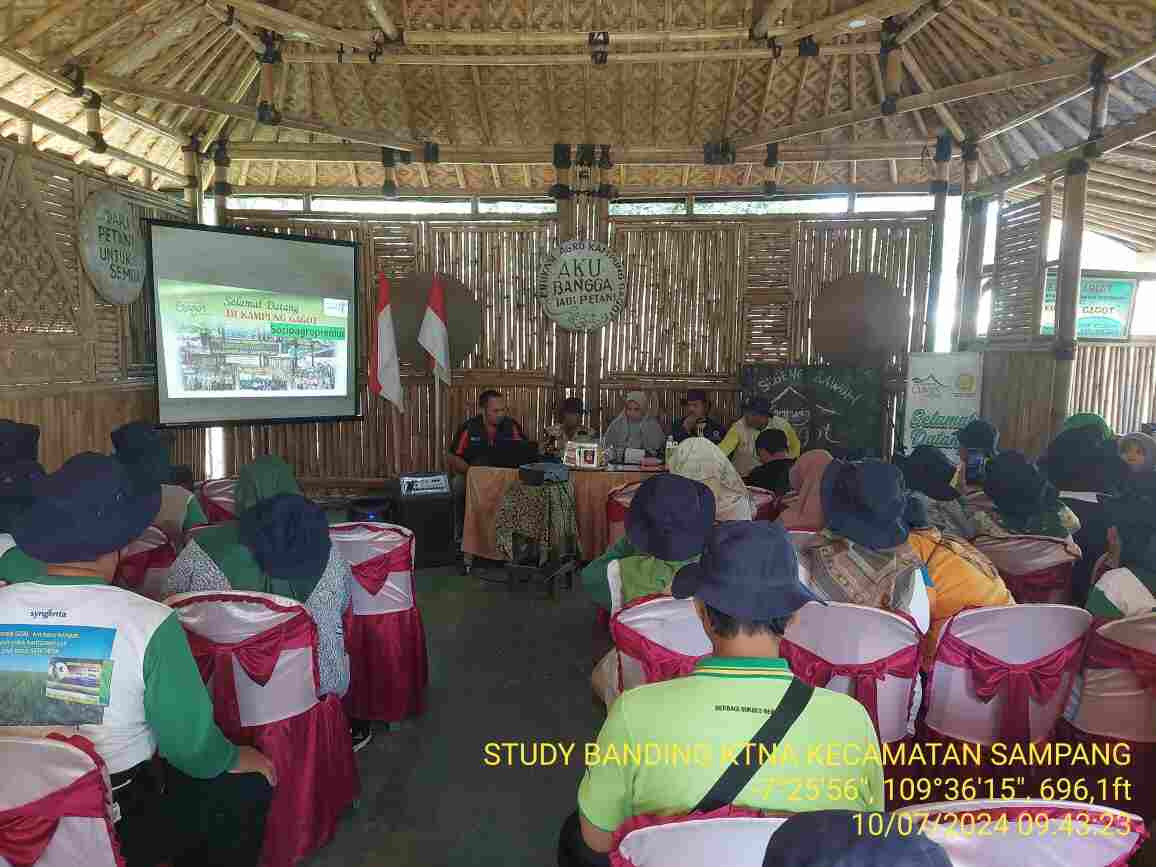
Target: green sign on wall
x: 1105, y: 307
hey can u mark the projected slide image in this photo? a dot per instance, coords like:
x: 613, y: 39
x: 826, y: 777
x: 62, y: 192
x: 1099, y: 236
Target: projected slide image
x: 225, y: 341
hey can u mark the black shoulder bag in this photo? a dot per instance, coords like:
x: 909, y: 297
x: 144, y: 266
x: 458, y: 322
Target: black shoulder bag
x: 736, y: 776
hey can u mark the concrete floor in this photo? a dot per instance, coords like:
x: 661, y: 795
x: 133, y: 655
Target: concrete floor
x: 504, y: 666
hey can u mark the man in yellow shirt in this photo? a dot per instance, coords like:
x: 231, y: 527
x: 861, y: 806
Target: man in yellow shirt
x: 809, y: 749
x: 739, y: 443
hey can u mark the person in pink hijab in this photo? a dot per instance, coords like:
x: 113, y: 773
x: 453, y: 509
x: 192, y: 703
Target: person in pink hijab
x: 805, y: 505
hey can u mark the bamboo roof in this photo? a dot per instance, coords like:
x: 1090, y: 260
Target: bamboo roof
x: 496, y: 83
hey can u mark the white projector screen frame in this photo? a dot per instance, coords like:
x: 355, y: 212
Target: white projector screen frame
x: 214, y: 261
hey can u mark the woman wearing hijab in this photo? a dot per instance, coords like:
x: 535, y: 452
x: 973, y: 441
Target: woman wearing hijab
x: 1138, y: 451
x: 1127, y: 585
x: 1089, y: 420
x: 1025, y: 503
x: 278, y: 544
x: 928, y: 473
x: 701, y: 460
x: 804, y: 508
x: 145, y: 453
x: 634, y: 429
x: 1085, y: 467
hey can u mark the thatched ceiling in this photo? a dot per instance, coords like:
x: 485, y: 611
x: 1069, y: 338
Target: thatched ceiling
x: 531, y: 83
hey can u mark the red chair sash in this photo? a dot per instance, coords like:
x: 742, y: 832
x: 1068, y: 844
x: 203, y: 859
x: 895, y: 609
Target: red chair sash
x: 1038, y: 679
x: 1039, y: 586
x: 816, y: 671
x: 26, y: 831
x: 214, y: 511
x: 1103, y: 652
x: 133, y: 568
x: 374, y: 572
x: 256, y: 655
x: 658, y: 663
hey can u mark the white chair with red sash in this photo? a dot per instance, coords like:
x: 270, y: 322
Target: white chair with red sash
x: 764, y: 503
x: 1118, y: 707
x: 1035, y: 568
x: 869, y: 654
x: 217, y: 498
x: 617, y: 505
x: 734, y: 836
x: 1004, y: 673
x: 658, y: 638
x: 145, y: 563
x: 258, y: 655
x: 55, y: 804
x: 388, y: 670
x: 1033, y: 833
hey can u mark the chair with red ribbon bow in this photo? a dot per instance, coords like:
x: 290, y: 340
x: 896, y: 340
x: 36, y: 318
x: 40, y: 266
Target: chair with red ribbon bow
x: 388, y: 669
x: 258, y: 655
x: 1004, y: 673
x: 145, y: 563
x: 617, y: 505
x: 732, y: 835
x: 1034, y: 568
x: 658, y: 638
x: 1118, y: 708
x: 869, y: 654
x: 55, y: 804
x: 217, y: 497
x: 1027, y: 832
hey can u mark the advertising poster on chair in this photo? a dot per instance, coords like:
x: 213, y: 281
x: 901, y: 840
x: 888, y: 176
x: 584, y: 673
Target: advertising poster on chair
x: 943, y: 395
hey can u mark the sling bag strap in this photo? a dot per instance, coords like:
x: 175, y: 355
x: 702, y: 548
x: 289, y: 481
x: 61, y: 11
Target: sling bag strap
x: 737, y: 775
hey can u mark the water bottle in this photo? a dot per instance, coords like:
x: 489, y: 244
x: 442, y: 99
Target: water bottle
x: 670, y: 447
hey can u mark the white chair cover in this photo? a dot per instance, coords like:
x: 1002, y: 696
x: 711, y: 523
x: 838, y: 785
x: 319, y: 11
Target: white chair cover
x: 668, y: 626
x: 1013, y: 634
x: 218, y: 499
x: 1029, y: 833
x: 1114, y: 702
x: 614, y: 581
x: 146, y: 561
x: 232, y: 616
x: 733, y: 841
x: 361, y: 543
x: 35, y: 768
x: 801, y: 539
x: 844, y: 634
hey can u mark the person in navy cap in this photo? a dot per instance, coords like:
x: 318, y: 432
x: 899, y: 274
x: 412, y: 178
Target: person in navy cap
x: 144, y: 451
x: 696, y: 420
x: 841, y: 838
x: 746, y: 592
x: 152, y: 700
x: 19, y: 469
x: 739, y: 443
x: 978, y: 443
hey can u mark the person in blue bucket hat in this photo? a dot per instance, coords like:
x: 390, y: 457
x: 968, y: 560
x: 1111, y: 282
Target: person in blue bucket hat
x: 19, y: 470
x: 746, y: 592
x: 153, y: 701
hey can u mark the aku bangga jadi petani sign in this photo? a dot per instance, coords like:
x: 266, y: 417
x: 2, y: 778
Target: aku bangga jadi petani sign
x: 581, y: 285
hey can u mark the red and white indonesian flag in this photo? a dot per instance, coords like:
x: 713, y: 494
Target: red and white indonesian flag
x: 385, y: 371
x: 434, y: 336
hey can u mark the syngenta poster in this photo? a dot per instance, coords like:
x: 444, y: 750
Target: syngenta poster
x: 943, y: 395
x: 54, y: 675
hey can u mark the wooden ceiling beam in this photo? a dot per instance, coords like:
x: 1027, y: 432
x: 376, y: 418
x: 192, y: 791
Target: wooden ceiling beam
x: 67, y: 132
x: 946, y: 115
x: 245, y: 112
x: 1114, y: 70
x: 919, y: 19
x: 526, y: 38
x: 377, y: 10
x: 927, y: 99
x: 149, y: 44
x: 295, y: 27
x: 38, y: 26
x: 1044, y: 48
x: 621, y: 154
x: 725, y: 54
x: 99, y: 37
x: 1138, y: 153
x: 772, y: 13
x: 627, y: 191
x: 831, y: 23
x: 251, y: 39
x: 1115, y: 137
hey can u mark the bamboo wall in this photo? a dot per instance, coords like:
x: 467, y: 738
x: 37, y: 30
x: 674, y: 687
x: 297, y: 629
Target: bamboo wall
x: 1017, y: 397
x: 1118, y: 381
x: 69, y: 361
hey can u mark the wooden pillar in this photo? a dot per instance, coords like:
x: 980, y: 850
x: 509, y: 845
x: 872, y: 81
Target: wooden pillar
x: 147, y: 178
x: 92, y: 125
x: 975, y: 209
x: 389, y: 164
x: 604, y: 194
x: 1100, y: 87
x: 27, y: 135
x: 1068, y: 287
x: 221, y: 188
x: 267, y: 110
x: 939, y: 190
x: 191, y: 152
x: 562, y: 193
x: 892, y: 60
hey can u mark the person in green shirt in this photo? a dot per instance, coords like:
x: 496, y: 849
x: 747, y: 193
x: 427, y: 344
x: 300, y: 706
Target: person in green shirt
x: 666, y: 527
x: 152, y: 699
x: 1127, y: 570
x: 746, y: 591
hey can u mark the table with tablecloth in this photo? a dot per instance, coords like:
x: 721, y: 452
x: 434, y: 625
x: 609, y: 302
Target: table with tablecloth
x: 485, y: 487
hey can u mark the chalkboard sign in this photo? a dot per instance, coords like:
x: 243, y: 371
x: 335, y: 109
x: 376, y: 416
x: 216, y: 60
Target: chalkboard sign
x: 835, y: 408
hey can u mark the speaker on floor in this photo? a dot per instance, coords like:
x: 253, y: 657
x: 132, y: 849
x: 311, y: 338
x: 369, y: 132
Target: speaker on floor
x: 425, y: 505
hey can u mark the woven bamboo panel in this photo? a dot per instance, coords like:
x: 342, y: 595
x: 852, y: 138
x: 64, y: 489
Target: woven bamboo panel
x: 1017, y: 284
x: 684, y: 282
x: 1117, y: 381
x: 1017, y: 397
x: 770, y: 260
